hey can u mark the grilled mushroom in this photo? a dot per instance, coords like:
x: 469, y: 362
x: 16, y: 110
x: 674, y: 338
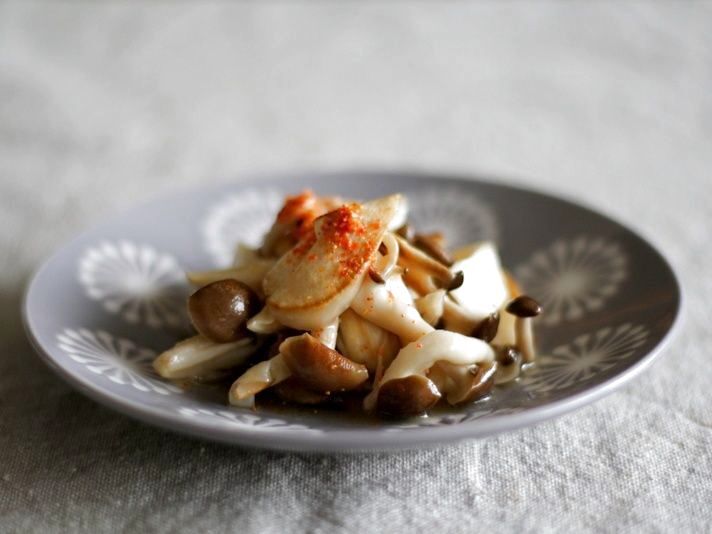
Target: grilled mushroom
x: 220, y: 310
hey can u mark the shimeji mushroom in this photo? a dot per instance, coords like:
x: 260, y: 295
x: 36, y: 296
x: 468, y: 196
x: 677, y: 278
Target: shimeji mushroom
x: 424, y: 273
x: 316, y: 280
x: 199, y: 357
x: 418, y: 357
x: 463, y: 383
x: 220, y: 310
x: 319, y: 367
x: 515, y: 328
x: 271, y: 372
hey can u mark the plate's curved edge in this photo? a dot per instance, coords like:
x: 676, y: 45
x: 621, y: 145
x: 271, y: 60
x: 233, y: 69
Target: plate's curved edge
x: 348, y: 440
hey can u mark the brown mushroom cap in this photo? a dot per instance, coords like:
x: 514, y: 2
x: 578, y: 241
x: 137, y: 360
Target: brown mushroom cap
x: 524, y: 306
x: 320, y: 368
x: 406, y: 397
x: 509, y: 363
x: 220, y: 310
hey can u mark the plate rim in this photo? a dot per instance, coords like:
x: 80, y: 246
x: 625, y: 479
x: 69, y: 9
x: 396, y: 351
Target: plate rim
x: 357, y: 439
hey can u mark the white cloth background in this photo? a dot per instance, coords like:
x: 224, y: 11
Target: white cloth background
x: 104, y: 104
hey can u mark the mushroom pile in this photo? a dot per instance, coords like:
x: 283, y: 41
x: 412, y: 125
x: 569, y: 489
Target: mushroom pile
x: 344, y: 302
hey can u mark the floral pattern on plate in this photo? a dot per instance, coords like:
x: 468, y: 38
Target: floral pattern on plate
x: 136, y: 282
x: 240, y: 218
x: 240, y: 418
x: 572, y: 277
x: 586, y: 356
x: 120, y: 360
x: 462, y: 217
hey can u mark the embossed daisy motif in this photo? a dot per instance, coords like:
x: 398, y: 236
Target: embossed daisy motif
x: 583, y: 358
x: 573, y: 277
x: 462, y: 217
x: 239, y: 218
x: 136, y: 282
x: 252, y: 420
x: 118, y: 359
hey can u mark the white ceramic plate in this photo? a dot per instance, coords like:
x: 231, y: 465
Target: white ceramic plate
x: 102, y: 307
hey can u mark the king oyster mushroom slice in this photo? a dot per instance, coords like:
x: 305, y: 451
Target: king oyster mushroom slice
x: 320, y: 368
x: 390, y: 306
x: 463, y: 383
x: 317, y: 279
x: 364, y: 342
x: 198, y: 357
x: 484, y: 288
x: 418, y: 357
x: 431, y: 306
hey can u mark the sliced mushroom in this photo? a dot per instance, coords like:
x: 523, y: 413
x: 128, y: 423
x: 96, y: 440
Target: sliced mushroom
x: 418, y: 357
x: 406, y: 397
x: 456, y: 318
x: 509, y: 363
x: 198, y: 357
x: 220, y: 310
x: 387, y: 259
x: 483, y: 290
x: 431, y: 306
x: 391, y: 307
x: 364, y: 342
x: 463, y: 383
x: 317, y: 280
x: 320, y: 368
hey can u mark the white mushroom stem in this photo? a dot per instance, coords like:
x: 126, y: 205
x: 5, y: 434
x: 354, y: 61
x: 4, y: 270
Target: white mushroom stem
x: 258, y: 378
x: 391, y: 307
x: 264, y: 323
x: 198, y: 356
x: 525, y: 338
x: 419, y: 356
x: 431, y: 306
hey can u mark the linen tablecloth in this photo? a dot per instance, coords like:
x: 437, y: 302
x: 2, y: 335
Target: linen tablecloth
x: 102, y: 105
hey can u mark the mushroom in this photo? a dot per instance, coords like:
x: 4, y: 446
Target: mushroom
x: 418, y: 357
x: 524, y: 308
x: 320, y: 368
x: 264, y: 323
x: 407, y: 396
x: 483, y: 290
x: 386, y: 262
x: 424, y: 273
x: 220, y: 310
x: 431, y: 306
x: 486, y: 330
x: 509, y: 364
x: 456, y: 318
x: 316, y: 280
x: 257, y: 378
x: 292, y: 390
x: 391, y: 307
x: 433, y: 246
x: 463, y: 383
x: 364, y: 342
x: 199, y: 357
